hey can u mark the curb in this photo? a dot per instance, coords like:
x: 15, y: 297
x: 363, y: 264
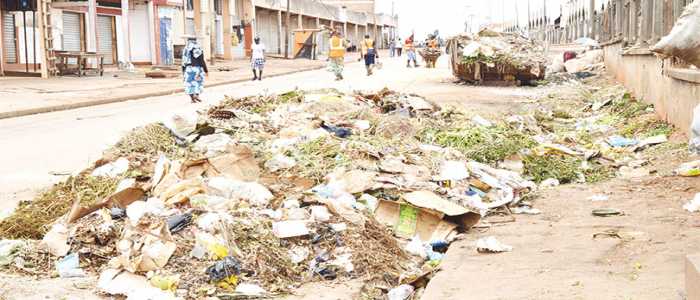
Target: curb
x: 62, y: 107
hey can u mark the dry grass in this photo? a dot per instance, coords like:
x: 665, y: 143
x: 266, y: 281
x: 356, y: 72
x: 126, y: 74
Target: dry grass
x: 31, y: 220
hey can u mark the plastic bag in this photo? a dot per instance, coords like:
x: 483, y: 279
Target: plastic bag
x: 683, y: 41
x: 694, y: 143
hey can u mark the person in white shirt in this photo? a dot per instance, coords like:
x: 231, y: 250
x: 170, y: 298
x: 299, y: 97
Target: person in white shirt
x: 257, y: 59
x: 399, y: 47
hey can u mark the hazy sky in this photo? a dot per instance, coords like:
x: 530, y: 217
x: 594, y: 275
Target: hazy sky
x: 449, y: 16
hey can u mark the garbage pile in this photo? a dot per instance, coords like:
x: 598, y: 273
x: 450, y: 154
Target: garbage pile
x: 683, y: 41
x: 496, y: 58
x: 258, y: 195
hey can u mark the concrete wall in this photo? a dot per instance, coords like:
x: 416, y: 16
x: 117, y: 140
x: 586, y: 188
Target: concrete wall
x: 650, y: 81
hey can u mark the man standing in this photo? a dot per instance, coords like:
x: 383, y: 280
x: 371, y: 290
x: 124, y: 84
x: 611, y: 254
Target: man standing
x: 410, y: 52
x: 336, y: 56
x: 392, y: 47
x: 399, y: 47
x: 368, y: 53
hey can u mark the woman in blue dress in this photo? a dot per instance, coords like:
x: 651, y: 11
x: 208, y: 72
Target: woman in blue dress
x: 194, y: 68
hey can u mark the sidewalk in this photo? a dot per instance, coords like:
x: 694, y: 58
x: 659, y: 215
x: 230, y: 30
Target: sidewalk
x: 25, y: 95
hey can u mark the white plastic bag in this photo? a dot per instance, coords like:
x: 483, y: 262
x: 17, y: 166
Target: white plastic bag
x: 694, y: 142
x: 684, y: 40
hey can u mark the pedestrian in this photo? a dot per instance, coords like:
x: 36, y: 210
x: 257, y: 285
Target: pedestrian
x: 257, y: 59
x: 399, y: 47
x: 410, y: 53
x: 336, y: 56
x: 368, y: 53
x: 392, y: 47
x: 194, y: 68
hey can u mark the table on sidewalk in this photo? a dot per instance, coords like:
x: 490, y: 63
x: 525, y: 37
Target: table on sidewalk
x: 81, y: 62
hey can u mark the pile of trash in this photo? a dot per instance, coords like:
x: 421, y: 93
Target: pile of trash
x: 258, y: 195
x: 496, y: 57
x: 582, y: 65
x: 683, y: 41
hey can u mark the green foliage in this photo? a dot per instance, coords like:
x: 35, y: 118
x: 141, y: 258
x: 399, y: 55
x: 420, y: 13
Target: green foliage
x: 562, y: 167
x: 482, y: 144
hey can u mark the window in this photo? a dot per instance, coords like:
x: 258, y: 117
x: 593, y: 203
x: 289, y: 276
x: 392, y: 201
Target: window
x: 218, y: 7
x: 190, y: 5
x: 189, y: 27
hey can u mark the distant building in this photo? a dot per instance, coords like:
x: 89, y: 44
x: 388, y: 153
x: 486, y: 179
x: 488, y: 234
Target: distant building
x: 365, y: 6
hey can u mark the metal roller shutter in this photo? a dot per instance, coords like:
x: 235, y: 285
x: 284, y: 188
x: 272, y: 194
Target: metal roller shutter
x: 267, y: 30
x: 71, y: 31
x: 8, y: 38
x: 105, y: 42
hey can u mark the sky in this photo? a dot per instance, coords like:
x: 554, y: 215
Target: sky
x: 449, y: 16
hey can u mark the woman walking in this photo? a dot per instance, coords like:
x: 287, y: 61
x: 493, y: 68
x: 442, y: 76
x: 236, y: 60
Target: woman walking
x: 257, y: 59
x: 194, y: 68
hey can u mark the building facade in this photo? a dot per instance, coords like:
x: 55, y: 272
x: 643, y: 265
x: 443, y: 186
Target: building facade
x: 363, y: 6
x: 154, y: 32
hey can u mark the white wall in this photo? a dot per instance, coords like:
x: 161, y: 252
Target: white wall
x: 57, y: 23
x: 121, y: 40
x: 139, y: 37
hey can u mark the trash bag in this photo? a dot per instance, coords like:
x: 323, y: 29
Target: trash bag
x: 683, y: 41
x: 179, y: 222
x: 694, y: 143
x: 222, y: 269
x: 340, y: 132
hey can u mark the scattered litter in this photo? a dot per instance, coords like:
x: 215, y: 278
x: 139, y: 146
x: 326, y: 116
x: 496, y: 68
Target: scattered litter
x: 415, y: 247
x: 452, y: 170
x: 689, y: 169
x: 479, y: 120
x: 340, y: 132
x: 69, y: 266
x: 225, y: 272
x: 683, y: 41
x: 549, y: 182
x: 320, y: 213
x: 619, y: 141
x: 693, y: 205
x: 596, y: 198
x: 526, y: 210
x: 631, y: 173
x: 280, y: 162
x: 112, y: 169
x: 213, y: 144
x: 287, y: 229
x: 250, y: 290
x: 56, y: 240
x: 491, y: 245
x: 694, y: 142
x: 9, y: 249
x: 179, y: 222
x: 166, y: 283
x: 401, y: 292
x: 606, y: 212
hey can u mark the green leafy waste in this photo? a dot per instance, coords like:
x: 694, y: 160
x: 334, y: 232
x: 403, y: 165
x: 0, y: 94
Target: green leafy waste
x: 482, y: 144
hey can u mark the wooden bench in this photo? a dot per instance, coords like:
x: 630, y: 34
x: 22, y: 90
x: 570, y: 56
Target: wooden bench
x: 81, y: 67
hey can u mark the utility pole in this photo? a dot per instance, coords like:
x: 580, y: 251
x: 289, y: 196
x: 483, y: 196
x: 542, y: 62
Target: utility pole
x: 212, y: 31
x: 528, y: 16
x: 286, y: 33
x: 517, y: 15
